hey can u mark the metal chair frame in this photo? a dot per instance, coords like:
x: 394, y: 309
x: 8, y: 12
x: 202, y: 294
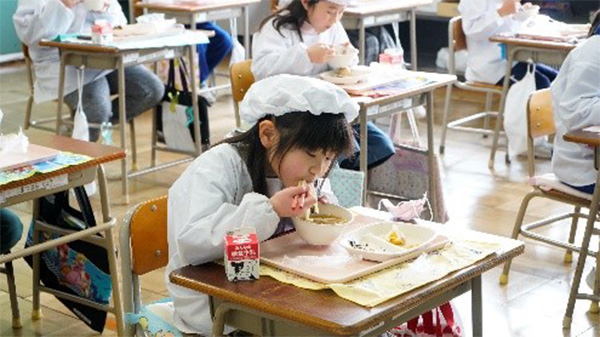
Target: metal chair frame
x: 457, y: 42
x: 540, y: 122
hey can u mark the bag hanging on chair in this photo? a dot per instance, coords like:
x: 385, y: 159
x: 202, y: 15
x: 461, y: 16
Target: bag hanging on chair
x: 515, y: 111
x: 78, y: 268
x: 175, y: 117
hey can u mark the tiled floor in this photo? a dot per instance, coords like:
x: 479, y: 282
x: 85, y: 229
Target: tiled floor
x: 532, y: 304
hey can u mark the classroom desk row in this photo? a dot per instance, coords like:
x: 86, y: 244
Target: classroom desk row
x: 240, y: 302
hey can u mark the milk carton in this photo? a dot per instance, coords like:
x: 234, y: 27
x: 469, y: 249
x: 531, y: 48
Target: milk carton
x: 102, y: 32
x: 242, y: 254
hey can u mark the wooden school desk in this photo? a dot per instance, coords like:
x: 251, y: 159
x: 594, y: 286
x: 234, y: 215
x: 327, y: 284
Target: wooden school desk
x: 40, y: 185
x: 272, y: 308
x: 381, y: 12
x: 118, y: 57
x: 192, y: 12
x: 373, y: 108
x: 590, y: 139
x: 521, y: 50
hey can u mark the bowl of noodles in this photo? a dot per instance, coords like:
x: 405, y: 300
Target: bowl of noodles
x: 323, y: 226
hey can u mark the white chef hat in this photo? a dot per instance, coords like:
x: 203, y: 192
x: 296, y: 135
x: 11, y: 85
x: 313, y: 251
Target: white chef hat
x: 280, y: 94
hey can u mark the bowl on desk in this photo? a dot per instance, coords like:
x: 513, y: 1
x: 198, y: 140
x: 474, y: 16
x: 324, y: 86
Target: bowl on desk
x: 343, y: 56
x: 316, y: 231
x: 94, y: 5
x: 526, y: 12
x: 348, y: 76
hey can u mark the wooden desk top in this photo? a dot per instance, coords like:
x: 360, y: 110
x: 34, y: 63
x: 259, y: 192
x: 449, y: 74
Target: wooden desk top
x: 191, y: 6
x: 100, y: 154
x: 188, y: 37
x: 583, y: 137
x: 381, y: 6
x: 439, y: 80
x: 323, y: 309
x: 522, y: 42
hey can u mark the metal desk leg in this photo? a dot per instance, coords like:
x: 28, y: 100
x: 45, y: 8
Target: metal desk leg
x: 500, y: 117
x: 413, y: 39
x: 246, y: 32
x: 363, y: 151
x: 191, y: 54
x: 36, y: 312
x: 589, y: 227
x: 361, y: 41
x: 122, y: 123
x: 431, y: 158
x: 61, y: 91
x: 111, y: 251
x: 476, y: 309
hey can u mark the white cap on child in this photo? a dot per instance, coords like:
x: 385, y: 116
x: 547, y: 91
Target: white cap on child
x: 280, y: 94
x: 284, y: 3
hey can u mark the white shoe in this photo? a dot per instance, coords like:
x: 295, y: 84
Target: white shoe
x: 420, y: 112
x: 590, y: 278
x: 207, y: 93
x: 543, y: 150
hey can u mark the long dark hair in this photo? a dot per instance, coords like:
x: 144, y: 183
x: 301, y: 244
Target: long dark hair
x: 292, y: 16
x: 595, y: 23
x: 297, y: 130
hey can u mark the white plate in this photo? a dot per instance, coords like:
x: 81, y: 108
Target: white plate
x: 358, y: 74
x: 417, y: 238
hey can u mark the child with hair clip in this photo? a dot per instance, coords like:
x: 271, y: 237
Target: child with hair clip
x: 299, y: 39
x: 482, y: 19
x: 300, y: 125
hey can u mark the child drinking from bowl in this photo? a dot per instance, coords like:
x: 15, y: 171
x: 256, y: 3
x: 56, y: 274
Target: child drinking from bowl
x: 252, y: 179
x: 299, y: 39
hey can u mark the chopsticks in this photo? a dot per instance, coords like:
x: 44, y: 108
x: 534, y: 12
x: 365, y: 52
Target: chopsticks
x: 299, y: 200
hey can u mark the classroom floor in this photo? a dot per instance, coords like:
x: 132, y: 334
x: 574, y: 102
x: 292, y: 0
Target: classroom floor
x: 532, y: 304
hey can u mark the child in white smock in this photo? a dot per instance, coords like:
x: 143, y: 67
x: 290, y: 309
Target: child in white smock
x: 300, y: 125
x: 576, y: 101
x: 481, y: 19
x: 35, y: 20
x: 299, y: 39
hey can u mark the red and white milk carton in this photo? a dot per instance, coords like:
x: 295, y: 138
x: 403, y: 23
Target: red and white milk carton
x: 242, y: 254
x: 392, y: 56
x: 102, y: 32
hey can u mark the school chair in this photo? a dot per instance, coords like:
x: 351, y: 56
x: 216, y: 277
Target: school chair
x: 12, y: 292
x: 144, y: 248
x: 241, y: 79
x: 67, y: 118
x: 540, y: 123
x: 457, y: 41
x: 274, y: 6
x: 347, y: 186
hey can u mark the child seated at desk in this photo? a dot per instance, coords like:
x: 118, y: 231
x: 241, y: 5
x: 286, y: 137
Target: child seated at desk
x: 576, y: 101
x: 299, y: 126
x: 298, y: 39
x: 211, y: 54
x: 35, y: 20
x: 481, y: 19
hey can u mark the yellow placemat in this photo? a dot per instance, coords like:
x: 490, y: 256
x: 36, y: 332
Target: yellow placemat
x: 379, y: 287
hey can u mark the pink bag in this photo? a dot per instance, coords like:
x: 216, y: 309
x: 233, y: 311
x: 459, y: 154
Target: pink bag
x: 442, y: 321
